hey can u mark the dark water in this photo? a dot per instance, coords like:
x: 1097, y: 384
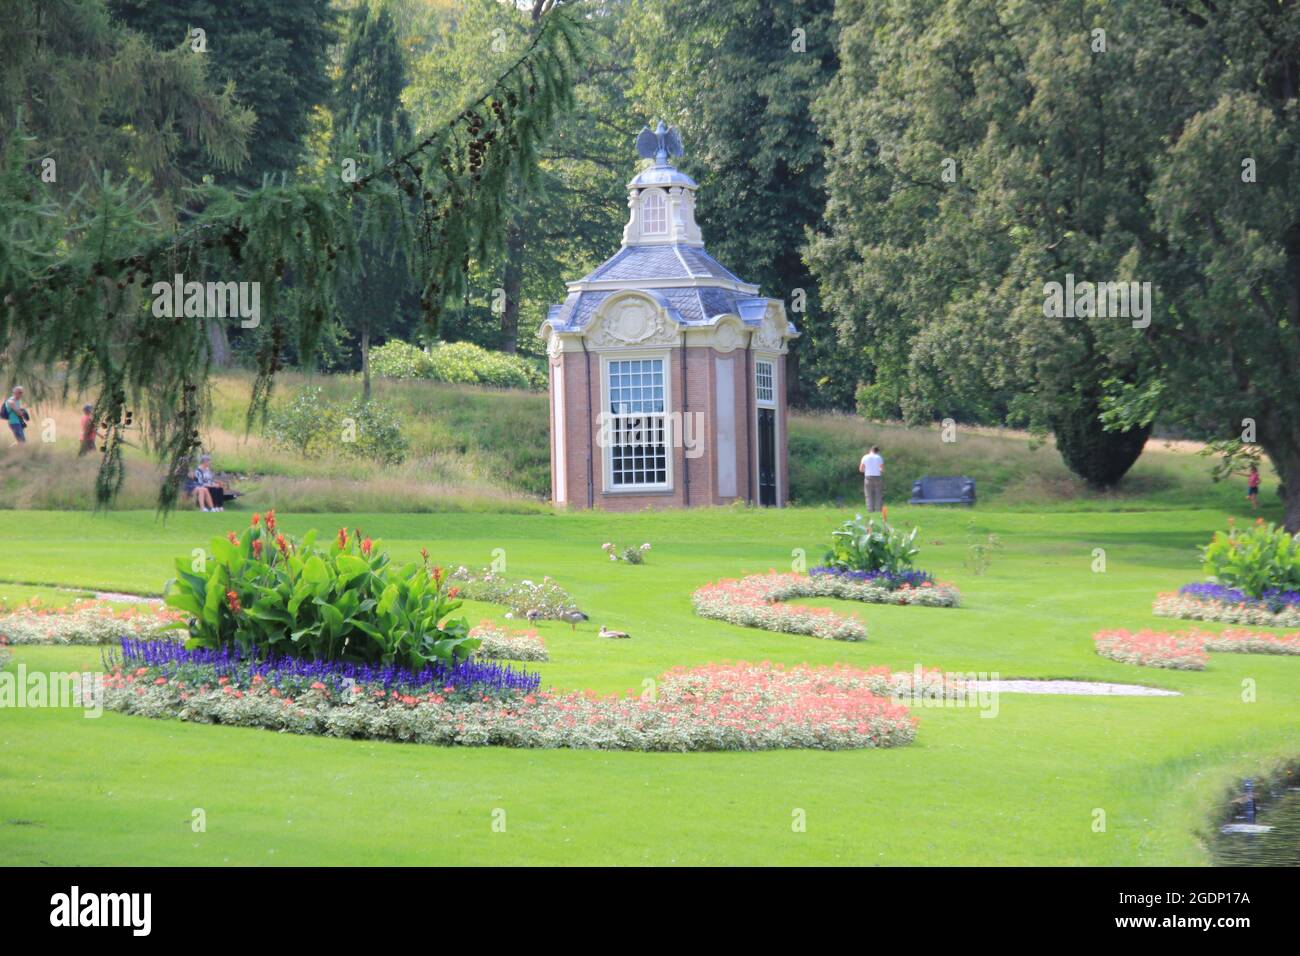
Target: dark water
x: 1267, y: 802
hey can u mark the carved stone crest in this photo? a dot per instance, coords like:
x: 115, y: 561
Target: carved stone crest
x: 631, y: 321
x: 727, y: 337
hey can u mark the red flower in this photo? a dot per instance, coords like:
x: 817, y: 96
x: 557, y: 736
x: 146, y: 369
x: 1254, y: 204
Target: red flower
x: 257, y: 519
x: 453, y: 592
x: 282, y: 544
x: 257, y: 547
x: 366, y: 546
x: 437, y: 574
x: 232, y: 537
x: 270, y: 520
x: 343, y: 538
x: 317, y: 685
x: 232, y: 601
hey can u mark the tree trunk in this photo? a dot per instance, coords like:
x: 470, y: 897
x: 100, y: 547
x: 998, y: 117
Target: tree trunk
x: 1287, y: 465
x: 511, y: 283
x: 365, y: 361
x: 218, y: 344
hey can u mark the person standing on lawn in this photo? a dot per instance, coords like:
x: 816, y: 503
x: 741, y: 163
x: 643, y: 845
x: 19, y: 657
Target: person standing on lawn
x: 16, y: 414
x: 1252, y: 486
x: 89, y: 434
x: 872, y: 467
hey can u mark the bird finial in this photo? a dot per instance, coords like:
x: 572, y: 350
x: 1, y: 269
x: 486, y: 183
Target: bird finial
x: 658, y: 144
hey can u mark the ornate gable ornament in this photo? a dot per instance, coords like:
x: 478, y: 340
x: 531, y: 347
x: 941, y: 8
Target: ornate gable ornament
x: 629, y: 320
x: 772, y: 334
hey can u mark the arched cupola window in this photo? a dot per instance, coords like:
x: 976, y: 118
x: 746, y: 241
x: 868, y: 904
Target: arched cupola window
x: 654, y: 213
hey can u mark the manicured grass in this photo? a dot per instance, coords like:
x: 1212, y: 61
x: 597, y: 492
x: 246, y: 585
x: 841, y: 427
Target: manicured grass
x: 1021, y: 787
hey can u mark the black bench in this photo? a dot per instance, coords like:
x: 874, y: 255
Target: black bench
x: 943, y: 490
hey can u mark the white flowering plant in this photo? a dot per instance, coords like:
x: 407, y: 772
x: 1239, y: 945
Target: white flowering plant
x: 629, y: 554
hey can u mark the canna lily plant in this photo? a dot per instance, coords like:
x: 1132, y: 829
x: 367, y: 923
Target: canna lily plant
x: 871, y: 546
x: 269, y: 594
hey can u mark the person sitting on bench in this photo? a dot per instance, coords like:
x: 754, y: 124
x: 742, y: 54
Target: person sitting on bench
x: 209, y: 493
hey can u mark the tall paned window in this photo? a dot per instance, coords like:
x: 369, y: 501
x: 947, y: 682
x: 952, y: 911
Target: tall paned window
x: 654, y: 213
x: 764, y: 383
x: 636, y: 442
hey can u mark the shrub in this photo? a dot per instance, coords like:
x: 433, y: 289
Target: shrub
x: 398, y: 359
x: 270, y: 595
x: 873, y: 546
x: 1264, y: 558
x: 299, y: 424
x: 456, y: 363
x: 312, y: 426
x: 376, y: 432
x: 630, y: 554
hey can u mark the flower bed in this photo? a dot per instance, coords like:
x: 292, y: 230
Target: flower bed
x: 876, y: 587
x: 753, y: 602
x: 1215, y: 602
x: 1252, y: 642
x: 230, y: 667
x: 85, y: 622
x: 497, y: 643
x: 1186, y: 650
x: 1183, y: 651
x: 546, y: 598
x: 719, y: 707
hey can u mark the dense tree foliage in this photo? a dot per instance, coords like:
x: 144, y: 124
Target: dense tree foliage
x: 98, y: 99
x: 275, y: 56
x: 984, y: 149
x: 382, y: 295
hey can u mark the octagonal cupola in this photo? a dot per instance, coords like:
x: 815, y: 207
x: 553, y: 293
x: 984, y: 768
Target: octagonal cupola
x: 661, y: 198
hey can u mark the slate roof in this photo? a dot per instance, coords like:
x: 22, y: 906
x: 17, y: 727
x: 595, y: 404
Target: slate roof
x: 687, y: 307
x: 660, y: 262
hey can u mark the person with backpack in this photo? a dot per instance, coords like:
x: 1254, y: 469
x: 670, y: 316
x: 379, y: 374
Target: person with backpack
x: 16, y: 414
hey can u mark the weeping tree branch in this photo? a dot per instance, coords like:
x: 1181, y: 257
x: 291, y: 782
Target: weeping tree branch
x: 88, y: 287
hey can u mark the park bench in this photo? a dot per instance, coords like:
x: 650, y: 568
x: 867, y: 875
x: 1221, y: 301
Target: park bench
x: 943, y: 490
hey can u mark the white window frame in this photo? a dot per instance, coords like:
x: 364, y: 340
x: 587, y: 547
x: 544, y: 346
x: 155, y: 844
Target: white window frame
x: 656, y: 215
x: 770, y: 401
x: 607, y: 453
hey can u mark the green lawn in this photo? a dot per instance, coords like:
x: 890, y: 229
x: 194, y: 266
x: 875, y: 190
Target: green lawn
x: 1020, y: 788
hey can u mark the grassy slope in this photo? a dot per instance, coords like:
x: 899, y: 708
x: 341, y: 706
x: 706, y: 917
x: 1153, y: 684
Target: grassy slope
x: 1019, y: 788
x: 481, y: 449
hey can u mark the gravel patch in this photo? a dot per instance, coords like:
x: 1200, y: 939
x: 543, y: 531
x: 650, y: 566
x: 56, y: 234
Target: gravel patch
x: 125, y: 598
x: 1078, y: 687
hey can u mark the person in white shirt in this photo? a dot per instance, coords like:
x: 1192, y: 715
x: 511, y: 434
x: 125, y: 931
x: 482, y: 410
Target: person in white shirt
x: 872, y: 467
